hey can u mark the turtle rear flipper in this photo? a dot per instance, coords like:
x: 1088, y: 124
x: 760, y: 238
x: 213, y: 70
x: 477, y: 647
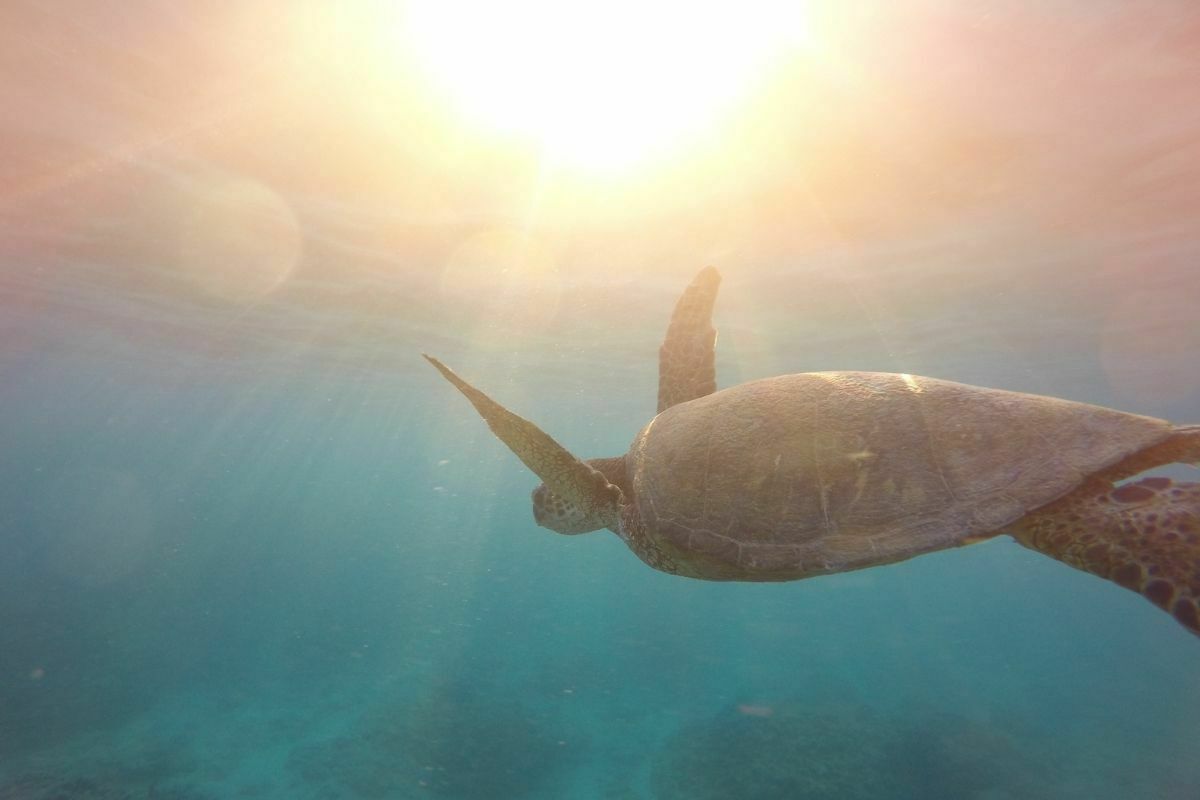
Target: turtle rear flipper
x: 686, y: 360
x: 1182, y: 446
x: 1144, y: 536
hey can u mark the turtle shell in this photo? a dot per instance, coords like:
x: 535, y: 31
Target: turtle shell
x: 805, y: 474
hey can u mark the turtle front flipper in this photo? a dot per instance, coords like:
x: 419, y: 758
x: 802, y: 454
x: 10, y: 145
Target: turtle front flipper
x: 572, y: 480
x: 686, y: 360
x: 1144, y: 536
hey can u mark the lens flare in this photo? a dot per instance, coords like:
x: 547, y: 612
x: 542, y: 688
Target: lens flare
x: 238, y: 239
x: 505, y: 280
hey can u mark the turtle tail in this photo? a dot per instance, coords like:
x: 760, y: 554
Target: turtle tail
x: 1144, y: 536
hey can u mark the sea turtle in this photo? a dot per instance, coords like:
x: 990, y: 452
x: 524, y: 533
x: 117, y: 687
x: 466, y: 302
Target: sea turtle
x: 801, y: 475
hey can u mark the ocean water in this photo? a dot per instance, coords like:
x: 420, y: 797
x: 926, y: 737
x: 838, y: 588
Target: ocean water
x: 254, y: 547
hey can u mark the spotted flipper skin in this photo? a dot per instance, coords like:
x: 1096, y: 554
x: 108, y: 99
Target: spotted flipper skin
x: 1144, y: 536
x: 686, y: 360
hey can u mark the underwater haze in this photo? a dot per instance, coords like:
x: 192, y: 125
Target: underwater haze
x: 253, y: 546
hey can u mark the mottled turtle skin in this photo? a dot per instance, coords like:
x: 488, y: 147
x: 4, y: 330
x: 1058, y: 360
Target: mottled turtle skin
x: 815, y: 473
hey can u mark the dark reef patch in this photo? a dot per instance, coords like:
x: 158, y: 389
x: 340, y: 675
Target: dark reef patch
x: 461, y: 741
x: 111, y: 787
x: 794, y: 752
x: 947, y: 756
x: 848, y: 752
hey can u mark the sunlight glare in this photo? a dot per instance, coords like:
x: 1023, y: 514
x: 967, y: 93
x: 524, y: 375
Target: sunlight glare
x: 600, y: 86
x: 505, y: 280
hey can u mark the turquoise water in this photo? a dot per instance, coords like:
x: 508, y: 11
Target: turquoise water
x: 254, y: 547
x: 279, y: 577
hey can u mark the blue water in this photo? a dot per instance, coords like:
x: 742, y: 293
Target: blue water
x: 325, y: 582
x: 254, y: 547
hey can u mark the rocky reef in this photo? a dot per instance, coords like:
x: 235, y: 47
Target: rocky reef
x: 771, y: 753
x: 844, y: 751
x: 460, y: 741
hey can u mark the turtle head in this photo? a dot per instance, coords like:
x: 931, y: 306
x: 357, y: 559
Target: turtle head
x: 552, y: 512
x: 577, y: 496
x: 561, y: 516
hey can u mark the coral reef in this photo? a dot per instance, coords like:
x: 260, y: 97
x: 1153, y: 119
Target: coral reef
x: 47, y: 787
x: 460, y: 741
x: 805, y: 753
x: 945, y: 756
x: 791, y: 752
x: 165, y: 771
